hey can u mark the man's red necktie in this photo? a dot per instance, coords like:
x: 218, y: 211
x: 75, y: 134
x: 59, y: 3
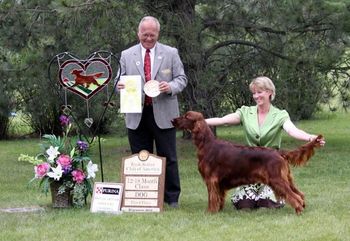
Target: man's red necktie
x: 147, y: 69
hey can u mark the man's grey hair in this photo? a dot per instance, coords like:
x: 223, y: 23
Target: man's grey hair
x: 147, y: 18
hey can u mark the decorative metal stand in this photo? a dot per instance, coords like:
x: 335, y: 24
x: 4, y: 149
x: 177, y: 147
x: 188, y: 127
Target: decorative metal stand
x: 85, y: 78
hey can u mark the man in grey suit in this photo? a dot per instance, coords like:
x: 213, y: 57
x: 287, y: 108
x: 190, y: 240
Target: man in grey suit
x: 153, y: 125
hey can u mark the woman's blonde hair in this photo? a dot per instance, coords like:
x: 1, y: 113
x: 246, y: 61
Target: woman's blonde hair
x: 263, y: 83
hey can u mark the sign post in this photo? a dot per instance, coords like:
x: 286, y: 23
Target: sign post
x: 143, y: 176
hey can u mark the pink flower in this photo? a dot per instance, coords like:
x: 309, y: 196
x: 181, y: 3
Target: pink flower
x: 78, y: 176
x: 41, y: 170
x: 64, y: 160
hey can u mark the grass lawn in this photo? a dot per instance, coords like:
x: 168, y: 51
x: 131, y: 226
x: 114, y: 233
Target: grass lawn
x: 325, y: 182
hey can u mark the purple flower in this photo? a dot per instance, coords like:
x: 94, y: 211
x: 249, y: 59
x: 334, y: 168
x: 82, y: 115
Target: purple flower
x: 64, y: 120
x: 82, y: 145
x: 67, y: 169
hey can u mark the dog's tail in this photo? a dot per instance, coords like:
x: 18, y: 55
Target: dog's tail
x: 97, y: 75
x: 301, y: 155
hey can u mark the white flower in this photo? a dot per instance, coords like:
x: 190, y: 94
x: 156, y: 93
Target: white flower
x: 91, y: 169
x: 52, y: 152
x: 56, y: 172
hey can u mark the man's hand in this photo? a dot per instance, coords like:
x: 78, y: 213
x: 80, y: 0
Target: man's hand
x: 164, y: 87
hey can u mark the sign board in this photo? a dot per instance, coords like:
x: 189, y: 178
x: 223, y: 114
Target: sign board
x: 143, y: 176
x: 106, y: 197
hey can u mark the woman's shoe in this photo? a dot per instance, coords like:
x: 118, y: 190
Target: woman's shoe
x: 245, y: 204
x: 268, y: 203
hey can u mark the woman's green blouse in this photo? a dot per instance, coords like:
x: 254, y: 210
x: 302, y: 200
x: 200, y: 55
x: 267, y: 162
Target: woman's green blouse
x: 269, y: 133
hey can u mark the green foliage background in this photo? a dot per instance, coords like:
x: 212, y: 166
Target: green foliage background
x: 301, y: 45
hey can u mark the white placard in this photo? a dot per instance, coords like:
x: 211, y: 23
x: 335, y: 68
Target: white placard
x: 131, y: 95
x: 133, y: 166
x: 141, y: 183
x: 141, y: 202
x: 141, y: 209
x: 107, y: 197
x: 140, y: 194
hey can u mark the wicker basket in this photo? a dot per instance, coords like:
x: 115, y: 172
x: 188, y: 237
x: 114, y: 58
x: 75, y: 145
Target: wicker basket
x: 63, y: 200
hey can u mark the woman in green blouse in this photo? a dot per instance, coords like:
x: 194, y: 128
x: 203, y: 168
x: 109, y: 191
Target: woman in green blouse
x: 263, y: 125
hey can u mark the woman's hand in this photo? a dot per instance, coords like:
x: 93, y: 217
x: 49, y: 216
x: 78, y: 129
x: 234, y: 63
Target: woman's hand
x: 313, y: 137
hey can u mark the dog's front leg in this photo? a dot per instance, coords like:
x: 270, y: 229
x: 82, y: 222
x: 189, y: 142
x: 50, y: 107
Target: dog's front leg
x: 214, y: 199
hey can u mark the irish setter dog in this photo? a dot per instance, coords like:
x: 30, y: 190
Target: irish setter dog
x: 225, y: 165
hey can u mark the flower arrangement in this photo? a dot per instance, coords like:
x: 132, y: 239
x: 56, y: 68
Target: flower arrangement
x: 64, y: 160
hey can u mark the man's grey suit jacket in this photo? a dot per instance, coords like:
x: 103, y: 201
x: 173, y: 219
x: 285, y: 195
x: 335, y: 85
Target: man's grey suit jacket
x: 167, y: 67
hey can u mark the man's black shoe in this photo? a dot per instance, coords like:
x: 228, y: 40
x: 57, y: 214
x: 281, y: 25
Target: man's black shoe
x: 174, y: 205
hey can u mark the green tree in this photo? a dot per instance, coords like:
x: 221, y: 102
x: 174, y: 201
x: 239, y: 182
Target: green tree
x: 35, y: 31
x: 224, y: 44
x: 6, y: 97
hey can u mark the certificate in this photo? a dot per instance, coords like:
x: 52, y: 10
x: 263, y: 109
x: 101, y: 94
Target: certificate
x: 130, y: 96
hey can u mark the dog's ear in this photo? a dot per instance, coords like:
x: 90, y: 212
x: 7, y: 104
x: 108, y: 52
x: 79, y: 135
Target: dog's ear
x: 199, y: 130
x: 198, y: 126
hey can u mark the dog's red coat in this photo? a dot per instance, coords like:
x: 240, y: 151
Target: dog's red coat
x: 224, y: 165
